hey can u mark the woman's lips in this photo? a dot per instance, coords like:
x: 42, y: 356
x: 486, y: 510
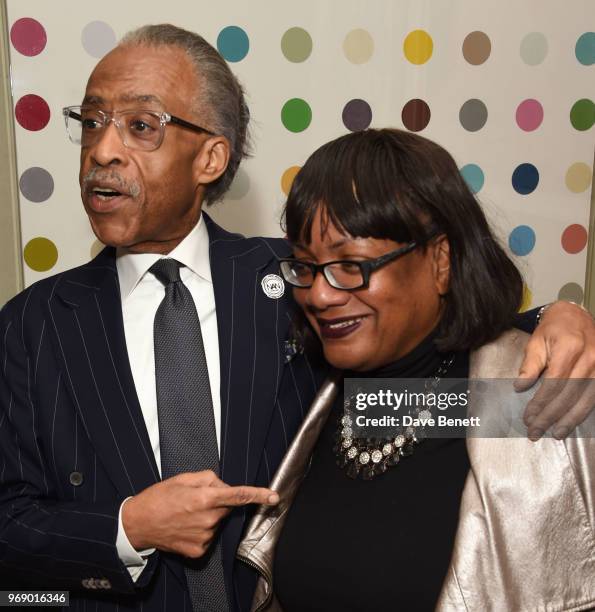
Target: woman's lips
x: 339, y: 328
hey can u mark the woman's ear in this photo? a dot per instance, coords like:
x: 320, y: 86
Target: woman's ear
x: 211, y: 161
x: 441, y: 263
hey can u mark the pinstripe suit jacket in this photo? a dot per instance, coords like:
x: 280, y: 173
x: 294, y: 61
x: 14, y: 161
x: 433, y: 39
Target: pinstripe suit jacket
x: 73, y: 442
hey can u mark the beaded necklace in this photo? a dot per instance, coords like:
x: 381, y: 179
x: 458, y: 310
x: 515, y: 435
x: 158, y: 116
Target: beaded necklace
x: 370, y: 457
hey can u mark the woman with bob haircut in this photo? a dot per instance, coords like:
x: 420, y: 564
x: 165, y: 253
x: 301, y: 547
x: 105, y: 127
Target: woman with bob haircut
x: 398, y: 275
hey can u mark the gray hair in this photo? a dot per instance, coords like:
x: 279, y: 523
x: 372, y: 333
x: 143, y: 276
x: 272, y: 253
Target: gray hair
x: 221, y: 97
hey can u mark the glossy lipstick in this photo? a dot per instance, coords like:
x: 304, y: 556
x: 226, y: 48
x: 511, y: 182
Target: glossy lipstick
x: 339, y: 328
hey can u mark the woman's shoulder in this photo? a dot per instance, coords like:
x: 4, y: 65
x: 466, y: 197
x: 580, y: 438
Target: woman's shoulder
x: 500, y: 358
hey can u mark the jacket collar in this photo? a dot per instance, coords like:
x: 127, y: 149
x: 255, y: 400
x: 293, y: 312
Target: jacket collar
x: 192, y: 252
x: 252, y: 328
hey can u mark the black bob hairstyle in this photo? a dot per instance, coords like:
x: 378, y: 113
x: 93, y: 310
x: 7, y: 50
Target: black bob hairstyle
x: 395, y: 185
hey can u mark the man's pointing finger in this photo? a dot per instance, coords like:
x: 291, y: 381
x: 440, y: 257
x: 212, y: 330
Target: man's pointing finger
x: 242, y: 495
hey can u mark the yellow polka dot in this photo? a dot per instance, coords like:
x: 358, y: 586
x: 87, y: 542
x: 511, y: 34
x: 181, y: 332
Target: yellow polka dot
x: 40, y: 254
x: 96, y: 248
x: 578, y: 177
x: 287, y: 178
x: 527, y: 299
x: 418, y: 47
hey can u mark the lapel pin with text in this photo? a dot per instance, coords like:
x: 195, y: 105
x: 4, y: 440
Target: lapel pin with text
x: 273, y: 286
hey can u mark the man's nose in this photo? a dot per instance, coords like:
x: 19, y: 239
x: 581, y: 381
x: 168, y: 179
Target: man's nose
x: 322, y: 295
x: 109, y: 149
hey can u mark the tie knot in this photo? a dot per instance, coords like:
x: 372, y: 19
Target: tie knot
x: 167, y: 270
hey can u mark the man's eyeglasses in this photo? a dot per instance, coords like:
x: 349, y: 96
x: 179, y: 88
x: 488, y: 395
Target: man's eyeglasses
x: 139, y: 129
x: 343, y: 274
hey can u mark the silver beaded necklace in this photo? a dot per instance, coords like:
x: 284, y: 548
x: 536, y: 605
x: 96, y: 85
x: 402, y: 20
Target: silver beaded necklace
x: 370, y: 457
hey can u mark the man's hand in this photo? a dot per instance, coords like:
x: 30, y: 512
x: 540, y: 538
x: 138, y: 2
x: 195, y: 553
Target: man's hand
x: 181, y: 514
x: 564, y: 345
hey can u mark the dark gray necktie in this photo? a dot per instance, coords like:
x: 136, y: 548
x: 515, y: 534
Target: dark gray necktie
x: 187, y: 435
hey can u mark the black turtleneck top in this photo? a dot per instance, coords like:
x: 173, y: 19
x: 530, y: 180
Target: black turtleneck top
x: 375, y: 544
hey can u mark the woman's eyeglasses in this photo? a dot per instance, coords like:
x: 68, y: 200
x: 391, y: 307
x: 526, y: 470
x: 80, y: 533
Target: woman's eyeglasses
x: 342, y: 274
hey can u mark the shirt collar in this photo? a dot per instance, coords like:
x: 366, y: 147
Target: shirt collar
x: 192, y: 252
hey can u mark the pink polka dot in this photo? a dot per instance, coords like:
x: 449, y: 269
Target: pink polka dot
x: 28, y: 36
x: 32, y: 112
x: 574, y: 238
x: 529, y: 115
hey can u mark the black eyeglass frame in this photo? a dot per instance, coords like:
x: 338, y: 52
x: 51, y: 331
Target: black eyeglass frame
x: 366, y: 267
x: 164, y: 119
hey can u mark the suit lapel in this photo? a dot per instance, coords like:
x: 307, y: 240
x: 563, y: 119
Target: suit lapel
x: 85, y: 316
x: 251, y: 328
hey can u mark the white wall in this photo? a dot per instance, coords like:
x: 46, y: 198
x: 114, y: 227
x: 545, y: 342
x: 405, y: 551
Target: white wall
x: 328, y: 79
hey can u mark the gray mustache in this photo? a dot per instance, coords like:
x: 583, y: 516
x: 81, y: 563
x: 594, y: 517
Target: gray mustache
x: 112, y: 177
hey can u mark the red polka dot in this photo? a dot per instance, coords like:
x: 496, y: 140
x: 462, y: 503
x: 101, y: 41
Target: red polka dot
x: 32, y: 112
x: 28, y: 36
x: 574, y: 238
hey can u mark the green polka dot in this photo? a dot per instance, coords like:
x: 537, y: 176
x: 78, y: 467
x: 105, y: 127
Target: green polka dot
x: 582, y: 115
x: 40, y: 254
x: 296, y: 115
x: 296, y: 45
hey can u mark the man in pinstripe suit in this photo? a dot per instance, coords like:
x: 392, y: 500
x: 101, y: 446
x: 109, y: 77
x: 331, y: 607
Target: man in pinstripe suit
x: 78, y: 416
x: 82, y: 504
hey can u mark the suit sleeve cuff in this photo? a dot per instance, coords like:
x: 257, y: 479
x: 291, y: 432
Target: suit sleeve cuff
x: 134, y: 561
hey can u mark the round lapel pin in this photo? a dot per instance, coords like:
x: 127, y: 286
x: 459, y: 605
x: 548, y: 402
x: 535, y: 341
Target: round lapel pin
x: 273, y: 286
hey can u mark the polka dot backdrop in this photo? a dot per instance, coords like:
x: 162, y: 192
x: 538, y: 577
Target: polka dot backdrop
x: 525, y: 179
x: 36, y: 184
x: 416, y: 115
x: 296, y: 45
x: 358, y: 46
x: 418, y: 47
x: 512, y: 101
x: 534, y: 48
x: 474, y: 177
x: 28, y: 36
x: 233, y: 43
x: 98, y: 38
x: 529, y: 115
x: 296, y: 115
x: 477, y: 47
x: 357, y: 115
x: 473, y: 115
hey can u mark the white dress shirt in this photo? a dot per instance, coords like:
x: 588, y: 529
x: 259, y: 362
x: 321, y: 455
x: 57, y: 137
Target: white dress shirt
x: 141, y: 293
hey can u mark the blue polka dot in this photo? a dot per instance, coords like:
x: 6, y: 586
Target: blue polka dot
x: 473, y: 176
x: 521, y: 240
x: 585, y: 49
x: 233, y: 43
x: 525, y: 178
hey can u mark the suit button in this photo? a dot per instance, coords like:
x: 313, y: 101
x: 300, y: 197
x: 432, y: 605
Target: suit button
x: 76, y: 479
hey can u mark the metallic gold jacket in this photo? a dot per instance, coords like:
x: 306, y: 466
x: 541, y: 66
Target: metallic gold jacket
x: 526, y: 533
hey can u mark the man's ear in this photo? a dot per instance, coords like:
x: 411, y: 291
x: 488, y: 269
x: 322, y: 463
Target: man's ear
x: 441, y: 264
x: 211, y: 161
